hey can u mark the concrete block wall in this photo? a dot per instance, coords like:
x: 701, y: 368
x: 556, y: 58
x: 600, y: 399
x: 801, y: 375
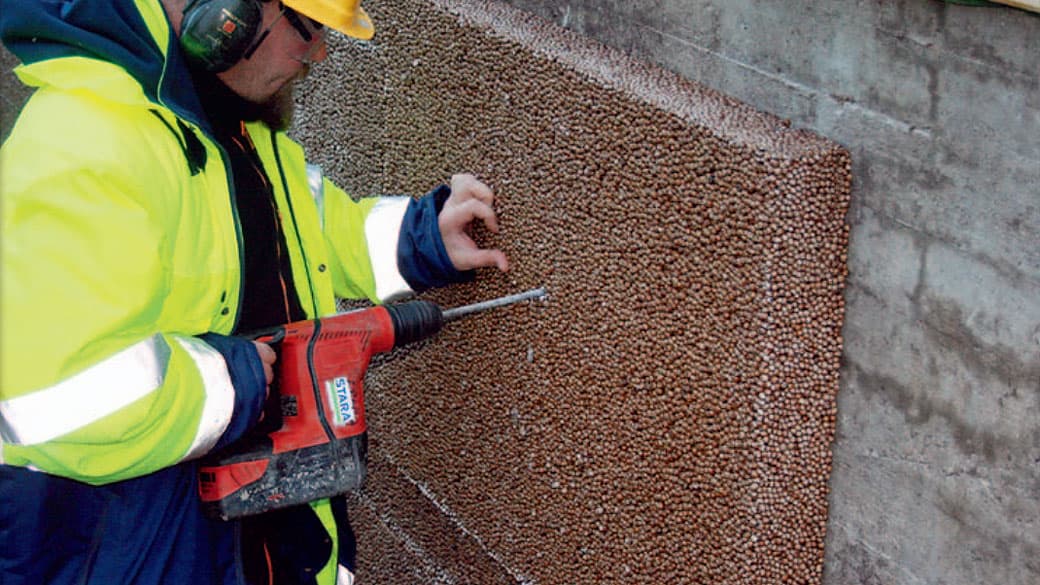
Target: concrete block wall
x: 937, y: 459
x: 666, y: 416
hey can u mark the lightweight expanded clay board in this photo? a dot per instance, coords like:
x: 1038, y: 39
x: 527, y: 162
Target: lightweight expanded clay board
x: 666, y: 414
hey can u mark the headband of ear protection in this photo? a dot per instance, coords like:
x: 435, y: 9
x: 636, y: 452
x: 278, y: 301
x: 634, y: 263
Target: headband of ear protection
x: 215, y: 34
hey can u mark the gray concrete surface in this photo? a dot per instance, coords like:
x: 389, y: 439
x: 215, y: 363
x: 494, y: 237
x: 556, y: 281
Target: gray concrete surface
x: 937, y: 462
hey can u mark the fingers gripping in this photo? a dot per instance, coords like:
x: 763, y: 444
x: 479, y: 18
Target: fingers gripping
x: 470, y: 199
x: 465, y: 187
x: 464, y: 213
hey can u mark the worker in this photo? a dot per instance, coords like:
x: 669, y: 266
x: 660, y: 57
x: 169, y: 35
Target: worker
x: 153, y: 210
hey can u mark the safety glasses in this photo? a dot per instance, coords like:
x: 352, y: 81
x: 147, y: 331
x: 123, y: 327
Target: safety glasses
x: 311, y: 31
x: 308, y: 28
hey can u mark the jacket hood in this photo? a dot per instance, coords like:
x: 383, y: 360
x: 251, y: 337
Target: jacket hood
x: 132, y: 34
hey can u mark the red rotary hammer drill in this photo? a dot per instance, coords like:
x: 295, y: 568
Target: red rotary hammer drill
x: 312, y: 441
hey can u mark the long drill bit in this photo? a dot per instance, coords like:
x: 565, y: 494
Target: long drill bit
x: 459, y: 312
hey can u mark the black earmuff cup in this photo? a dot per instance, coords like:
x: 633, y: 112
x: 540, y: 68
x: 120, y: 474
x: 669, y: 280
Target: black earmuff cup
x: 215, y: 34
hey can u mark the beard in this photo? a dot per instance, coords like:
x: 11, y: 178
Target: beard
x: 223, y: 106
x: 276, y: 111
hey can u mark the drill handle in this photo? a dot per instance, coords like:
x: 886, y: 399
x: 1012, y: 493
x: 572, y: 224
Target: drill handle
x: 270, y: 336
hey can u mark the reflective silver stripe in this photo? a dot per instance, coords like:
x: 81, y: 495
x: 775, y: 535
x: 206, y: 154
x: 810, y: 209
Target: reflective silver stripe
x: 220, y: 395
x: 317, y: 185
x: 86, y: 397
x: 382, y: 229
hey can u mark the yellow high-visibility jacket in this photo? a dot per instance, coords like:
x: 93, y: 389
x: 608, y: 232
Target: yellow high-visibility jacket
x: 115, y: 257
x: 120, y: 247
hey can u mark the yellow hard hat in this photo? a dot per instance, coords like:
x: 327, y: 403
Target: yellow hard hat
x: 346, y: 16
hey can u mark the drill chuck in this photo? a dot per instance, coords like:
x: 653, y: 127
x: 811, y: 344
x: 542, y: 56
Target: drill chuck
x: 414, y: 321
x: 418, y: 320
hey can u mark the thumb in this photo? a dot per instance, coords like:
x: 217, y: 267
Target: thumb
x: 480, y: 258
x: 268, y: 357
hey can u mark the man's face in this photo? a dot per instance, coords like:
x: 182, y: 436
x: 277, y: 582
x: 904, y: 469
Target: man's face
x: 282, y: 57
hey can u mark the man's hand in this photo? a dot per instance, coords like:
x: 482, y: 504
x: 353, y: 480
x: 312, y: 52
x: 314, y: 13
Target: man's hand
x: 470, y: 199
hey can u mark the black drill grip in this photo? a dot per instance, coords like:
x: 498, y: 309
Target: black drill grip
x: 415, y: 321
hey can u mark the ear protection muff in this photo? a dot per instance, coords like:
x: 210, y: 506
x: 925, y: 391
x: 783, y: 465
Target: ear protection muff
x: 215, y: 34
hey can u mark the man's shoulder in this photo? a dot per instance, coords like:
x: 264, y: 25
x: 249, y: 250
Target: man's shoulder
x: 80, y: 125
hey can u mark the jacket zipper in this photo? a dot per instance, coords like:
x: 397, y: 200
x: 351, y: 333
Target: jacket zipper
x: 296, y: 229
x: 239, y: 242
x: 322, y: 417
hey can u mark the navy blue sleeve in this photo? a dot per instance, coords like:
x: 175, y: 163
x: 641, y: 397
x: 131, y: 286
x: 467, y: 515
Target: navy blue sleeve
x: 421, y: 256
x: 247, y: 376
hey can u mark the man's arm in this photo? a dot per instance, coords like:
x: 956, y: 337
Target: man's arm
x: 101, y: 377
x: 408, y: 245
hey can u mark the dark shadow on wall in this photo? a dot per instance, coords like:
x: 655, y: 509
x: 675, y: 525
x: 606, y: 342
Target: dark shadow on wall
x: 12, y: 93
